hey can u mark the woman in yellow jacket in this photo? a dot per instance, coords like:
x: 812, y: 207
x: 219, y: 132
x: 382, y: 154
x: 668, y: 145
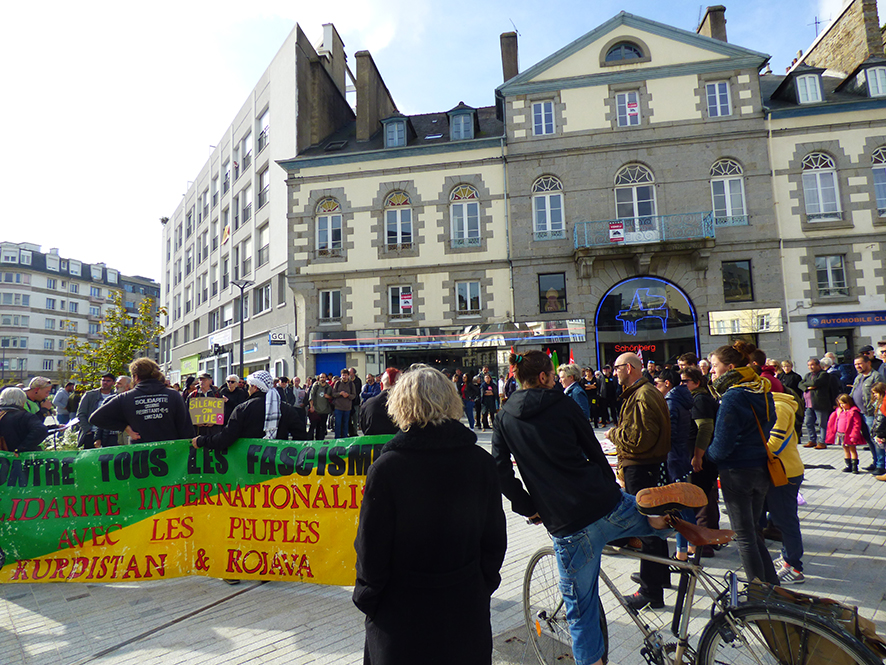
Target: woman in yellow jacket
x: 782, y: 501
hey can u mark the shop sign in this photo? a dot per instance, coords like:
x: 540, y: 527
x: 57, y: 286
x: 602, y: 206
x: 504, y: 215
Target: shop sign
x: 405, y: 301
x: 277, y: 339
x: 191, y: 364
x: 616, y: 231
x: 843, y: 319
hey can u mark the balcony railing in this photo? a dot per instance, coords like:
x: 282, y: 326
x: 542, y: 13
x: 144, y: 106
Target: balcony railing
x: 737, y: 220
x: 457, y: 243
x: 556, y: 234
x: 326, y: 253
x: 644, y: 230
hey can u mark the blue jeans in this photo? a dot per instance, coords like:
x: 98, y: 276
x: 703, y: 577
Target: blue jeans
x: 744, y: 491
x: 811, y: 430
x: 782, y: 504
x: 469, y: 411
x: 876, y: 451
x: 341, y: 423
x: 578, y: 560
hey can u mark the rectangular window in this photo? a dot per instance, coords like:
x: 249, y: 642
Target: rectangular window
x: 95, y: 292
x: 328, y: 234
x: 246, y: 151
x: 202, y: 247
x: 247, y: 204
x: 542, y: 118
x: 226, y: 183
x: 465, y: 224
x: 627, y: 105
x: 74, y: 288
x: 400, y: 300
x: 264, y: 245
x: 94, y: 311
x: 214, y: 191
x: 25, y: 257
x: 395, y: 134
x: 52, y: 262
x: 72, y: 307
x: 467, y: 296
x: 808, y: 89
x: 225, y: 272
x: 552, y: 292
x: 264, y: 129
x: 97, y: 273
x: 718, y: 99
x: 879, y: 188
x: 737, y: 281
x: 49, y: 344
x: 196, y: 325
x: 213, y: 320
x: 189, y: 260
x: 831, y: 275
x: 398, y: 223
x: 728, y: 198
x: 50, y: 283
x: 462, y: 126
x: 876, y: 77
x: 246, y: 257
x: 11, y: 256
x: 820, y: 194
x: 50, y: 303
x: 262, y: 300
x: 264, y: 187
x: 74, y: 267
x: 330, y: 306
x: 49, y: 324
x: 47, y: 365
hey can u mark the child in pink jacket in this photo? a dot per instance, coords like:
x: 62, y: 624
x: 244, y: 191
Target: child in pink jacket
x: 845, y: 427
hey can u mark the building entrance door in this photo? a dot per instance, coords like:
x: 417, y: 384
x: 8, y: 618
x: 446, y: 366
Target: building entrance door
x: 839, y: 342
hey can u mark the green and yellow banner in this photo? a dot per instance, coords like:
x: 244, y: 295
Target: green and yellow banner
x: 262, y: 510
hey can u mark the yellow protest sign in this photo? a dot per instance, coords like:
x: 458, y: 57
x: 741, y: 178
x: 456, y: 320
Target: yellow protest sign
x: 207, y: 410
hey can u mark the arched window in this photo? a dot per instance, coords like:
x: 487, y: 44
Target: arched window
x: 398, y: 221
x: 727, y: 193
x: 328, y: 227
x: 635, y: 203
x: 878, y: 159
x: 547, y: 208
x: 820, y: 187
x: 623, y: 51
x: 464, y: 213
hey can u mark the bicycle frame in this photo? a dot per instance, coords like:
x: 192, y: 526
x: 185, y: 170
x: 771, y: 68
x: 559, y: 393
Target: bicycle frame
x: 685, y: 598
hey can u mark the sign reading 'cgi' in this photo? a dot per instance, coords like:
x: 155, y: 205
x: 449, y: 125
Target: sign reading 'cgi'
x: 268, y: 510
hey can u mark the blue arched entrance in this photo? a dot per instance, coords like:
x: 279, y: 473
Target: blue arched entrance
x: 647, y: 315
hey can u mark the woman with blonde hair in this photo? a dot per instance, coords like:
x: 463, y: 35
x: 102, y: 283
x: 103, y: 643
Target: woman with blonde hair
x: 432, y: 535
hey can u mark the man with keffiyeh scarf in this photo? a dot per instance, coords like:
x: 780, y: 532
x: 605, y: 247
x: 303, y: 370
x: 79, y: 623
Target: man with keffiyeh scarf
x: 262, y: 416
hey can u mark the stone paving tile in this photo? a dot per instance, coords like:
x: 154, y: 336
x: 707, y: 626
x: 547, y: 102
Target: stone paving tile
x: 59, y: 624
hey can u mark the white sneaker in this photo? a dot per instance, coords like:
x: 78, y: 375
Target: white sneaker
x: 790, y: 575
x: 779, y: 563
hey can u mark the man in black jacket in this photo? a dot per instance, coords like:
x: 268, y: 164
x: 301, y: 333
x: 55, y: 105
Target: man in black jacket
x: 233, y: 395
x: 374, y: 418
x: 147, y: 413
x: 816, y: 387
x: 263, y: 415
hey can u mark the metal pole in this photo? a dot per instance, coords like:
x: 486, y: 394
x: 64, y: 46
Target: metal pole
x: 241, y: 331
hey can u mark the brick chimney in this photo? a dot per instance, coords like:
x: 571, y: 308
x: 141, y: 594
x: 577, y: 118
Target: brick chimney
x: 714, y: 23
x: 509, y: 65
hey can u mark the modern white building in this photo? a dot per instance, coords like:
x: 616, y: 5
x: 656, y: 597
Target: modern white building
x: 45, y: 299
x: 230, y: 227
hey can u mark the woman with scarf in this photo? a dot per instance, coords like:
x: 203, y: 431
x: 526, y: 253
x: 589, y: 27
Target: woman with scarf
x: 744, y: 421
x: 262, y: 416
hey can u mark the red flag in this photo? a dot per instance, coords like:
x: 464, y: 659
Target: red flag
x: 571, y: 358
x: 511, y: 367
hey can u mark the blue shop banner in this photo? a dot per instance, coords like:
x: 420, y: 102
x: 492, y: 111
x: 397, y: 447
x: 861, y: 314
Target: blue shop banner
x: 843, y: 319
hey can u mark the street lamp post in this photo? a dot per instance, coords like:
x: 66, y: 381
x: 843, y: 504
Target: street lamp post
x: 241, y: 284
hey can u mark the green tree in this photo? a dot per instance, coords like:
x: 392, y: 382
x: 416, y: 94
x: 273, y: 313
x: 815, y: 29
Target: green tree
x: 123, y: 339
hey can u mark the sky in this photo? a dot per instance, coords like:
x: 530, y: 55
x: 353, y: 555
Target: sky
x: 111, y: 107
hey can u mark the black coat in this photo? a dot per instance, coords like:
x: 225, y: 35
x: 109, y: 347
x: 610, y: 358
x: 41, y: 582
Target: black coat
x: 248, y: 422
x: 23, y: 431
x: 430, y: 543
x: 374, y: 418
x: 152, y: 410
x: 236, y: 397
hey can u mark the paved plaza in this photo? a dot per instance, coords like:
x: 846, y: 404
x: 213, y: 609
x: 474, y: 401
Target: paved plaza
x: 201, y: 620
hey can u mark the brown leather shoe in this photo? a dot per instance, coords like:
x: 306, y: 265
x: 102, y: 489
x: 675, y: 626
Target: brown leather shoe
x: 820, y: 446
x: 809, y: 445
x: 699, y: 535
x: 883, y: 477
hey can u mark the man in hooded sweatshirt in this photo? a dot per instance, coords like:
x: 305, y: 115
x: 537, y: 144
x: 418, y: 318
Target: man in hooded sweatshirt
x: 147, y: 413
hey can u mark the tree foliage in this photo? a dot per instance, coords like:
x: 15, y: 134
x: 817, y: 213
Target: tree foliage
x: 123, y: 338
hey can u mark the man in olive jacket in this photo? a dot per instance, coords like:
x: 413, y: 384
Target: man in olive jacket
x: 643, y: 440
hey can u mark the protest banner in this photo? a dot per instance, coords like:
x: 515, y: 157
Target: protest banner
x: 262, y: 510
x: 207, y: 410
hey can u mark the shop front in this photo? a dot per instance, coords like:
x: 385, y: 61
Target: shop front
x: 649, y: 316
x: 469, y: 348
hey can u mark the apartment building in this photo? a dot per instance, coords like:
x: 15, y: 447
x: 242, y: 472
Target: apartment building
x: 46, y: 299
x: 223, y: 246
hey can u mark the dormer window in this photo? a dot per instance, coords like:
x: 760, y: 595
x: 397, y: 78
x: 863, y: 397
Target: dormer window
x: 876, y: 77
x: 624, y: 51
x: 461, y: 127
x: 808, y: 89
x: 395, y: 133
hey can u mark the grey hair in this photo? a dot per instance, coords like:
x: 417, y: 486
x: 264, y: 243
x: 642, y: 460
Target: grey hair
x: 570, y: 369
x: 232, y: 377
x: 423, y: 396
x: 39, y: 382
x: 13, y: 397
x: 826, y: 362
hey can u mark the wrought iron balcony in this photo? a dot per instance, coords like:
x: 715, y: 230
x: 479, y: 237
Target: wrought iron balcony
x: 645, y: 230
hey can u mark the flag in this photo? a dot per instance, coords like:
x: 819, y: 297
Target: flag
x: 555, y: 360
x: 571, y: 358
x: 640, y: 354
x: 511, y: 367
x: 226, y: 234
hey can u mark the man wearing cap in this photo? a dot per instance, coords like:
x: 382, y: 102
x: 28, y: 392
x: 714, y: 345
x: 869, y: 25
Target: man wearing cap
x: 38, y: 396
x: 205, y: 389
x: 262, y: 415
x: 868, y: 351
x: 88, y: 405
x: 881, y: 349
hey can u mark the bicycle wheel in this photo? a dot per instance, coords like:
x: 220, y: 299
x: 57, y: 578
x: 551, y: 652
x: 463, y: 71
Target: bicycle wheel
x: 545, y: 613
x: 778, y: 635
